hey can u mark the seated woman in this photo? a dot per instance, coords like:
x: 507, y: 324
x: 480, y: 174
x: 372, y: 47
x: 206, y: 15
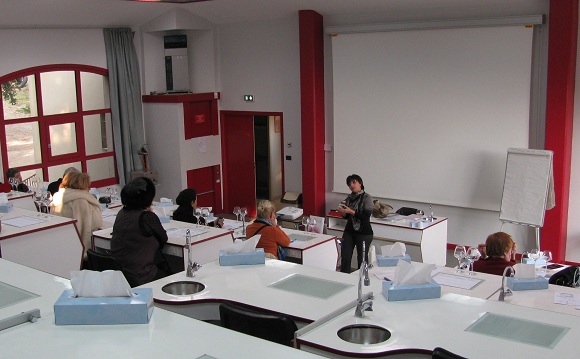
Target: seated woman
x: 187, y: 202
x: 267, y: 227
x: 498, y: 253
x: 138, y: 235
x: 73, y: 200
x: 14, y: 177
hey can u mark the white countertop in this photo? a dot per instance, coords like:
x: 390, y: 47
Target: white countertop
x: 45, y: 221
x: 167, y: 335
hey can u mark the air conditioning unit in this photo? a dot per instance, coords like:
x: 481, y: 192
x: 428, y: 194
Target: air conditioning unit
x: 176, y: 64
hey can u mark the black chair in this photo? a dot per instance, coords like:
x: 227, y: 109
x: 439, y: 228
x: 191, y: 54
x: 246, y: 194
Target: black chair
x: 440, y: 353
x: 99, y: 261
x: 275, y: 328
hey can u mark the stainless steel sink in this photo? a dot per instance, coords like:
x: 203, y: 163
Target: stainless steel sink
x: 364, y: 334
x: 183, y: 288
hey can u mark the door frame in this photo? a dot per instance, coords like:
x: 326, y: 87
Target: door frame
x: 224, y: 118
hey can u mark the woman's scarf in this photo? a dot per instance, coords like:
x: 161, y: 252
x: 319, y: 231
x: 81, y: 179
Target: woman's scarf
x: 354, y: 201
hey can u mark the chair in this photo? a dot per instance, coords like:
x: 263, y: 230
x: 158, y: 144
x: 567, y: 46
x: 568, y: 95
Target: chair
x: 319, y: 226
x: 102, y: 261
x: 275, y: 328
x: 440, y: 353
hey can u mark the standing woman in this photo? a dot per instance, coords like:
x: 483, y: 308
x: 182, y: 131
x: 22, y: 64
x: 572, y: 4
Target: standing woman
x: 357, y: 208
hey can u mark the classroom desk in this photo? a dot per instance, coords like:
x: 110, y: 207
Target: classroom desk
x: 430, y: 238
x: 167, y: 335
x: 21, y: 200
x: 52, y: 245
x: 307, y: 248
x: 205, y: 246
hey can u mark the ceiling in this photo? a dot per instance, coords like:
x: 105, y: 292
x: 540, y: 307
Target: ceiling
x: 114, y: 13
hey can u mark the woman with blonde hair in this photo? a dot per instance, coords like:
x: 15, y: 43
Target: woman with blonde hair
x: 266, y: 225
x: 73, y: 200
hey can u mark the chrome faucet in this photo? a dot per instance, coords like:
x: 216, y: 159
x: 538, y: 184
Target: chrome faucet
x: 363, y: 304
x: 192, y: 267
x: 503, y: 291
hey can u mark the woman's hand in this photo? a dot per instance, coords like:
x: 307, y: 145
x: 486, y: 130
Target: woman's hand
x: 345, y: 210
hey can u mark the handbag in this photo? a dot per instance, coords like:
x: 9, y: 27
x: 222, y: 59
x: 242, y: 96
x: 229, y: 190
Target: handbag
x: 381, y: 210
x: 281, y: 253
x: 567, y: 277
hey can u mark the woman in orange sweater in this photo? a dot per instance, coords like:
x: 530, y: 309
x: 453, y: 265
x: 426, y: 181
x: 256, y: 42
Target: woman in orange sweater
x: 271, y: 235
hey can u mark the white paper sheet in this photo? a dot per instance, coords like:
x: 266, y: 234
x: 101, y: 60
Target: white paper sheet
x: 23, y: 221
x: 567, y: 299
x: 456, y: 281
x: 181, y: 232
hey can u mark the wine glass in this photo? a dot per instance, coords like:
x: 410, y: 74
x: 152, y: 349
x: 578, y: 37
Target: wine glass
x: 312, y: 225
x: 305, y: 223
x: 473, y: 255
x: 197, y: 214
x: 460, y: 254
x: 205, y: 215
x: 237, y: 212
x: 542, y: 263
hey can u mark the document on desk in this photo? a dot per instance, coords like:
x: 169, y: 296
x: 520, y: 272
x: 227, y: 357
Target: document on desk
x: 456, y: 281
x: 180, y: 232
x: 567, y: 299
x: 231, y: 224
x: 23, y: 221
x: 109, y: 213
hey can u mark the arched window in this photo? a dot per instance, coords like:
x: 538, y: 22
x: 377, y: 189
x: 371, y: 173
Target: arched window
x: 57, y: 116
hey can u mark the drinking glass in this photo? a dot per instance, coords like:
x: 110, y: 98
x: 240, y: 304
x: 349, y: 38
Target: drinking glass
x: 197, y: 214
x: 542, y: 263
x: 312, y: 225
x: 305, y: 223
x: 205, y: 215
x: 243, y: 212
x: 237, y: 212
x: 460, y: 254
x: 473, y: 255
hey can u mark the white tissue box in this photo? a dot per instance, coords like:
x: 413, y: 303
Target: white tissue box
x: 411, y: 292
x: 290, y: 213
x: 235, y: 259
x: 383, y: 261
x: 419, y: 224
x: 70, y: 310
x: 527, y: 284
x: 6, y: 207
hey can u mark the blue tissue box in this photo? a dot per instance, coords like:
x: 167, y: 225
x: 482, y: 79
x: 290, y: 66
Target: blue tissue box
x: 411, y: 292
x: 527, y: 284
x: 383, y: 261
x: 235, y: 259
x: 69, y: 310
x: 165, y: 204
x: 6, y: 207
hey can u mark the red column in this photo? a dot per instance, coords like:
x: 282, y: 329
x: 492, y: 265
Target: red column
x: 563, y: 27
x: 312, y: 112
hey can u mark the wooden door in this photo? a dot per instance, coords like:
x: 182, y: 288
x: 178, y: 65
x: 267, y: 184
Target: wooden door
x: 239, y: 175
x: 207, y: 183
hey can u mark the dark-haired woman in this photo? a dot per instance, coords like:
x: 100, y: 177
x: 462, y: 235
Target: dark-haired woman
x: 187, y: 202
x: 138, y: 234
x: 357, y: 208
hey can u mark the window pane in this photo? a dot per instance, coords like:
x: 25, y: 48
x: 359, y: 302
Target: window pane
x: 95, y: 91
x: 19, y: 98
x: 63, y: 139
x: 98, y: 133
x: 56, y: 172
x: 58, y: 92
x: 101, y: 168
x: 23, y: 144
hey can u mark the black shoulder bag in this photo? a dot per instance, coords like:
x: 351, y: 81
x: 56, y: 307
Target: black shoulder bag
x: 567, y: 277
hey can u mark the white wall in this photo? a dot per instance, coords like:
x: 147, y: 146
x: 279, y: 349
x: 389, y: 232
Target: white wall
x: 262, y: 59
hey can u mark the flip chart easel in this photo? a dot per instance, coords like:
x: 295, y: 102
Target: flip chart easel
x: 528, y: 186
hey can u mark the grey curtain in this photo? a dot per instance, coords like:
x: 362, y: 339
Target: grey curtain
x: 125, y: 92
